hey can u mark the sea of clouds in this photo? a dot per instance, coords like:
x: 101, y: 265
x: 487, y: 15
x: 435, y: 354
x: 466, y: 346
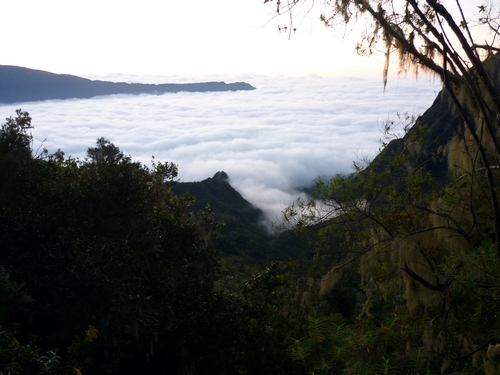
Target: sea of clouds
x: 270, y: 141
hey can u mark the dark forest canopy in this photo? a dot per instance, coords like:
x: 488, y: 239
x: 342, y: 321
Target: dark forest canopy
x: 405, y: 277
x: 101, y: 257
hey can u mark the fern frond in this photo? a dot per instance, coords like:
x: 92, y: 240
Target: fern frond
x: 323, y: 366
x: 299, y: 351
x: 316, y: 328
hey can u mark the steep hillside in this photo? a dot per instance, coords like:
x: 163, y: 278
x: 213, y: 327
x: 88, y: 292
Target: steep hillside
x: 419, y: 232
x: 425, y: 141
x: 244, y: 232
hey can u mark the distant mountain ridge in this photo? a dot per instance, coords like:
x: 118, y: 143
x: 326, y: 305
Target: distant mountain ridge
x: 18, y: 84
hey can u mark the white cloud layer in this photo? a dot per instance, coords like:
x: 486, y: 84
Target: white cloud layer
x: 270, y: 141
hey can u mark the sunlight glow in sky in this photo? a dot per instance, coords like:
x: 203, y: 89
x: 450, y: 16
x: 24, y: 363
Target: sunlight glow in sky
x: 195, y: 38
x: 180, y: 38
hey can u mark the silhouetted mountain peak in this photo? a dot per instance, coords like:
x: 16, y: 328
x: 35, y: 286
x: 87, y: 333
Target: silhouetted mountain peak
x: 221, y: 176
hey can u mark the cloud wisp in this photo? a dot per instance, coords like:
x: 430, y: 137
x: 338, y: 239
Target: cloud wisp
x: 271, y: 141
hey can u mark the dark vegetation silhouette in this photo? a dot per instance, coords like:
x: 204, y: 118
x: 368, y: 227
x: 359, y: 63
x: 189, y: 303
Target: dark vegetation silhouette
x: 108, y: 266
x: 105, y: 269
x: 245, y: 231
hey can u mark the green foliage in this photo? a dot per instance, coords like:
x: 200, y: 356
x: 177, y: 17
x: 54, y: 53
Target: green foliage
x: 80, y: 351
x: 414, y: 286
x: 15, y: 136
x: 106, y: 153
x: 17, y: 359
x: 130, y: 256
x: 266, y: 304
x: 106, y: 241
x: 426, y: 259
x: 421, y: 224
x: 13, y: 298
x: 331, y: 345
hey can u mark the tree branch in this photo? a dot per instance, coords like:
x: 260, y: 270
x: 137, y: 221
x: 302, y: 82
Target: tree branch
x: 438, y: 287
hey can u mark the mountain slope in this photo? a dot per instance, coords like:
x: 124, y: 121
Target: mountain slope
x: 425, y: 141
x: 19, y: 84
x: 243, y: 232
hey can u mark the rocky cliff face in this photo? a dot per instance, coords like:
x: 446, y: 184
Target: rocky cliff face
x: 425, y: 142
x: 436, y: 141
x: 427, y: 248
